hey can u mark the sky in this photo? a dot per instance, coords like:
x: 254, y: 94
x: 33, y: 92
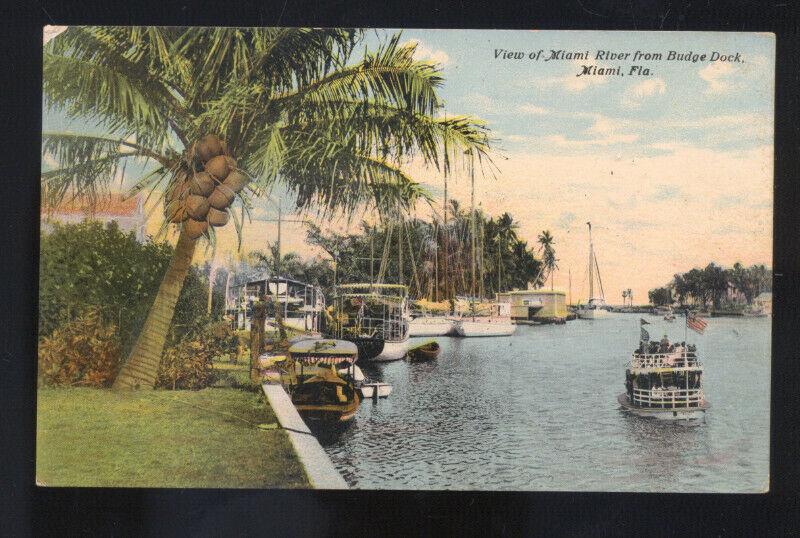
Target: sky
x: 674, y: 169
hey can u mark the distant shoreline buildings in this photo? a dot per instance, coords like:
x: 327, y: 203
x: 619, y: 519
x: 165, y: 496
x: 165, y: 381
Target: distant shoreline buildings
x: 128, y: 213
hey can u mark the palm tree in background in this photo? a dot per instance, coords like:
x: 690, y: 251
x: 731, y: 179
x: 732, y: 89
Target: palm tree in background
x: 293, y: 106
x: 549, y: 260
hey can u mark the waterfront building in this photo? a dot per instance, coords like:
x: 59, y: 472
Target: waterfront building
x: 536, y: 305
x: 128, y: 213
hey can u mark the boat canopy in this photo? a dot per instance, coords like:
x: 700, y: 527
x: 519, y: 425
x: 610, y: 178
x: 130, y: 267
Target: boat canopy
x: 324, y: 347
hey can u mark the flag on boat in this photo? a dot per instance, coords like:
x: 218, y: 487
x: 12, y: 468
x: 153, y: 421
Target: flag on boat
x: 645, y: 335
x: 695, y: 323
x: 644, y: 321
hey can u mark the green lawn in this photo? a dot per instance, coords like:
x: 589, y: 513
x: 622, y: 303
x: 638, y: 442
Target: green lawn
x: 160, y: 438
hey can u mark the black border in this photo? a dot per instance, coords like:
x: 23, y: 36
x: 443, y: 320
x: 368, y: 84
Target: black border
x: 277, y: 512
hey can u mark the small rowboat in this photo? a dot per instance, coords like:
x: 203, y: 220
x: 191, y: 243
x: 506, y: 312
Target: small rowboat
x: 424, y: 352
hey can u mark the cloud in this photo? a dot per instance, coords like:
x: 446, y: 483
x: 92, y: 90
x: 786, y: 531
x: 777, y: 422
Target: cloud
x: 634, y: 95
x: 571, y: 82
x: 533, y: 110
x: 423, y: 52
x: 726, y: 201
x: 566, y: 219
x: 717, y: 75
x: 666, y: 192
x: 480, y: 103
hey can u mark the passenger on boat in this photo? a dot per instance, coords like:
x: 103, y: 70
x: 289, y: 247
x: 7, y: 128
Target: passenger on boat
x: 664, y: 345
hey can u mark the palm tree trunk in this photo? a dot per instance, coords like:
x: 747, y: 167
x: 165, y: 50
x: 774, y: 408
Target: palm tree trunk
x: 141, y: 368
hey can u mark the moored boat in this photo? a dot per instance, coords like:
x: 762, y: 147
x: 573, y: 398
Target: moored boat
x: 430, y: 326
x: 497, y: 323
x: 321, y: 379
x: 375, y: 317
x: 424, y: 352
x: 595, y: 307
x: 375, y: 389
x: 326, y: 397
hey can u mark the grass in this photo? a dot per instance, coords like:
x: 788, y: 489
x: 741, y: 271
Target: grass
x: 207, y: 438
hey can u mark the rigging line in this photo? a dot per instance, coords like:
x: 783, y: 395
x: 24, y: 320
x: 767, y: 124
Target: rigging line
x: 413, y: 262
x: 385, y: 255
x: 599, y: 279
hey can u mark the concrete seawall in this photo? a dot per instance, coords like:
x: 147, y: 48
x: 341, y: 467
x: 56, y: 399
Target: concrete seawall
x: 319, y: 468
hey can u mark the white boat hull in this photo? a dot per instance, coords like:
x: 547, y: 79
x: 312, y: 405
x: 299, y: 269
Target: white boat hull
x: 376, y: 390
x: 430, y: 327
x: 592, y: 313
x: 392, y: 351
x: 663, y: 414
x: 471, y: 329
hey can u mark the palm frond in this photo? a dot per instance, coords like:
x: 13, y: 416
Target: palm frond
x: 86, y: 164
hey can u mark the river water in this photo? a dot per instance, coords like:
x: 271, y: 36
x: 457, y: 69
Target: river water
x: 538, y: 411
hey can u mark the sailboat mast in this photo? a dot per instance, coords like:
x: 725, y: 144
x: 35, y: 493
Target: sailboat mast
x: 569, y: 272
x: 400, y: 251
x: 446, y: 242
x: 591, y: 264
x: 472, y: 233
x: 436, y: 265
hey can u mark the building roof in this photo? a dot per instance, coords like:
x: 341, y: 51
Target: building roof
x: 113, y: 205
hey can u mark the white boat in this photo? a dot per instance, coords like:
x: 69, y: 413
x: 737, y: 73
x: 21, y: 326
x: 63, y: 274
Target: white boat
x: 371, y: 390
x: 376, y: 316
x: 484, y: 327
x: 664, y: 385
x: 430, y: 326
x: 499, y: 323
x: 595, y: 308
x: 393, y: 350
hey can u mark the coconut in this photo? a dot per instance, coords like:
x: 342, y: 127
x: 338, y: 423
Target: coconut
x: 208, y: 147
x: 202, y: 184
x: 195, y: 228
x: 197, y: 206
x: 175, y: 212
x: 222, y: 197
x: 217, y: 217
x: 176, y: 191
x: 236, y: 181
x: 218, y: 167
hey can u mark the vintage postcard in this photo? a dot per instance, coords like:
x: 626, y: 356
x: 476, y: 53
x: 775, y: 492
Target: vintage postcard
x: 405, y: 259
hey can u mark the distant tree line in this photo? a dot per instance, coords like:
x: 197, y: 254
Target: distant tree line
x: 714, y: 285
x: 433, y: 258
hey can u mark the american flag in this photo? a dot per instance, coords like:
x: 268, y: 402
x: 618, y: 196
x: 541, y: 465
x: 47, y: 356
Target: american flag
x: 696, y: 324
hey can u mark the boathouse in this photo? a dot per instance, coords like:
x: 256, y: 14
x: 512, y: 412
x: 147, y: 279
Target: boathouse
x: 545, y: 306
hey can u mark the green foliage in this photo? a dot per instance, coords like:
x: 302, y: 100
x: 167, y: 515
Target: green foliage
x: 293, y: 104
x: 188, y: 364
x: 660, y: 296
x: 84, y: 351
x: 711, y: 285
x: 502, y: 260
x: 91, y: 265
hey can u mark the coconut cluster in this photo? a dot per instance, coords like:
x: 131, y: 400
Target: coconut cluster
x: 200, y: 197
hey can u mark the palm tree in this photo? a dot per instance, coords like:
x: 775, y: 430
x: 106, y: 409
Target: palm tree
x: 549, y: 254
x: 291, y: 104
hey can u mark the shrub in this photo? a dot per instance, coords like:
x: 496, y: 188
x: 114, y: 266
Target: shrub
x: 188, y: 364
x: 99, y: 266
x: 85, y: 351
